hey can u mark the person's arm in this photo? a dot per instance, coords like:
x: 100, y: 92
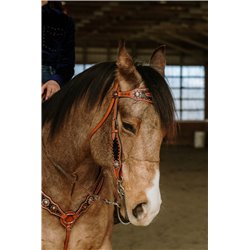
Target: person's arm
x: 65, y: 67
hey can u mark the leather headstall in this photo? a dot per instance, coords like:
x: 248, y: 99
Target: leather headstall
x: 138, y: 94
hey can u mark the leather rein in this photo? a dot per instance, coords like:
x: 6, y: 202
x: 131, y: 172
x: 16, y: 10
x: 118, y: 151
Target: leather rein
x: 68, y: 218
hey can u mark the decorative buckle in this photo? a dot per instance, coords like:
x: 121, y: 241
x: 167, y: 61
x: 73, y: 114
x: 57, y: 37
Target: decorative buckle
x: 69, y: 219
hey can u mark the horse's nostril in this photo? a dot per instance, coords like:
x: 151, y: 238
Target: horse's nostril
x: 138, y: 210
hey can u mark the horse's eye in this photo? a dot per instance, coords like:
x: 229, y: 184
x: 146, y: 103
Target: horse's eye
x: 129, y: 127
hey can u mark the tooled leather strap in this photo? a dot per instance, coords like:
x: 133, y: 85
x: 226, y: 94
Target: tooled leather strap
x: 117, y: 150
x: 138, y: 94
x: 106, y: 115
x: 68, y: 218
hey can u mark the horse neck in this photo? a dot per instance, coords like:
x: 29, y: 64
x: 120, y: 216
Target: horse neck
x: 68, y: 168
x: 70, y: 145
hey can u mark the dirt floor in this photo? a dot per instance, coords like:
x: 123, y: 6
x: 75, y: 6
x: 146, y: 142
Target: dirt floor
x: 182, y: 221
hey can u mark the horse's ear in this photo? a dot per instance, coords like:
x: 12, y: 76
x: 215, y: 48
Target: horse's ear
x: 127, y: 75
x: 158, y: 59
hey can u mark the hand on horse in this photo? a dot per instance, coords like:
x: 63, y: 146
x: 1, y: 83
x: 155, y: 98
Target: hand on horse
x: 49, y: 89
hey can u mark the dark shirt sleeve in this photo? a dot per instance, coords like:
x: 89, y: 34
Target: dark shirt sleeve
x: 65, y: 66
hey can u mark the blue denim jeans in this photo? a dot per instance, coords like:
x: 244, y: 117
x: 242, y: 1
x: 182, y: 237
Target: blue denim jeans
x: 47, y: 72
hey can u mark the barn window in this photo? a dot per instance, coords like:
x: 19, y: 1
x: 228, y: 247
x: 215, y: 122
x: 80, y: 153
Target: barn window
x: 81, y: 67
x: 188, y: 87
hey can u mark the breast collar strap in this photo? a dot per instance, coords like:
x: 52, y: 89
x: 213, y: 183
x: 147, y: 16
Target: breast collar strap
x: 69, y: 218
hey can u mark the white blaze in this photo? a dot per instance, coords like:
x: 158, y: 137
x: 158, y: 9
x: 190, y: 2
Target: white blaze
x: 152, y: 207
x: 154, y: 196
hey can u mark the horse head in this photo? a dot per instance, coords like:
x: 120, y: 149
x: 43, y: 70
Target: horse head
x: 141, y: 124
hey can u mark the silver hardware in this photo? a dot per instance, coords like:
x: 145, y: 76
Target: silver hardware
x: 120, y: 218
x: 53, y: 208
x: 121, y: 191
x: 45, y: 202
x: 91, y: 200
x: 116, y: 164
x: 96, y: 197
x: 112, y: 203
x: 137, y: 94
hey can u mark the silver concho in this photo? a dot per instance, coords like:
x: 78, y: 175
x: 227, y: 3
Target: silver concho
x: 54, y: 208
x: 137, y: 94
x: 116, y: 164
x: 45, y: 202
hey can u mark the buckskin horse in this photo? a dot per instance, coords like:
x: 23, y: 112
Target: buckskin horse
x: 101, y: 138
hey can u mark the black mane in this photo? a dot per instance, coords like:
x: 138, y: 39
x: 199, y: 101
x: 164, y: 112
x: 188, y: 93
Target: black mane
x: 93, y: 85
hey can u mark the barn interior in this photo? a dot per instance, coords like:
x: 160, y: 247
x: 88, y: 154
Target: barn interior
x: 183, y: 27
